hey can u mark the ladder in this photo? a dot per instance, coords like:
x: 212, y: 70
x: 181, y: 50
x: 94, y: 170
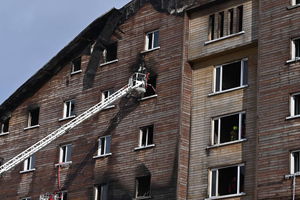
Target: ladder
x: 137, y: 82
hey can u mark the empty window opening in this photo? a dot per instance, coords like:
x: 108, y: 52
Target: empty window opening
x: 296, y: 49
x: 221, y: 24
x: 69, y: 108
x: 295, y: 162
x: 151, y: 86
x: 33, y: 117
x: 101, y: 192
x: 110, y: 53
x: 295, y: 104
x: 29, y: 163
x: 211, y: 29
x: 76, y: 65
x: 1, y: 161
x: 152, y: 40
x: 230, y: 21
x: 231, y: 75
x: 104, y: 145
x: 229, y: 128
x: 4, y: 126
x: 143, y: 187
x: 240, y: 13
x: 227, y: 181
x: 106, y: 93
x: 146, y: 136
x: 65, y: 153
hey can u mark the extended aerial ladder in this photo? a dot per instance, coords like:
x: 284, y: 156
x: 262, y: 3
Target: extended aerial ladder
x: 137, y: 82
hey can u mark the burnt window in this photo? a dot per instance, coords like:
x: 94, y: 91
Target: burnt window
x: 76, y: 65
x: 239, y: 18
x: 146, y: 136
x: 110, y: 53
x: 229, y: 128
x: 230, y: 21
x: 221, y: 24
x: 33, y: 117
x: 101, y: 192
x: 296, y: 49
x: 151, y: 86
x: 211, y: 28
x: 4, y: 126
x: 69, y: 109
x: 227, y: 181
x: 143, y: 187
x: 232, y: 75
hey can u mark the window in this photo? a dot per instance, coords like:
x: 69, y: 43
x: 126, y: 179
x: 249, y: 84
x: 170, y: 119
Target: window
x: 63, y: 195
x: 69, y: 108
x: 65, y: 153
x: 106, y: 93
x: 76, y: 65
x: 29, y: 164
x: 4, y: 126
x: 221, y: 24
x: 110, y: 53
x: 101, y: 192
x: 26, y: 198
x: 232, y: 75
x: 1, y: 161
x: 240, y: 13
x: 143, y: 187
x: 230, y: 21
x: 104, y: 145
x: 33, y: 117
x: 146, y: 136
x: 227, y: 181
x: 296, y: 49
x: 295, y: 162
x: 228, y: 128
x: 211, y: 29
x: 152, y: 40
x: 295, y: 104
x: 295, y: 2
x: 151, y: 87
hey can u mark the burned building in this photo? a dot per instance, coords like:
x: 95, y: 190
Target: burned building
x: 217, y: 116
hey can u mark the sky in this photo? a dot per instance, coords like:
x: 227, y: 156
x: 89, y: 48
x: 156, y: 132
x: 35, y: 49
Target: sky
x: 33, y: 31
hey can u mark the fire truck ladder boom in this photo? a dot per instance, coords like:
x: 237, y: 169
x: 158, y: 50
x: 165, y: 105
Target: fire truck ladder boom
x: 136, y: 82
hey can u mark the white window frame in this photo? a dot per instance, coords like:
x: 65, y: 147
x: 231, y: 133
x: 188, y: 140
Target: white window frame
x: 219, y: 128
x: 243, y: 70
x: 73, y: 66
x: 29, y: 164
x: 107, y: 93
x: 147, y: 136
x: 2, y: 125
x: 292, y: 161
x: 293, y: 48
x: 152, y: 33
x: 104, y: 190
x: 292, y: 104
x: 217, y: 182
x: 62, y: 192
x: 105, y: 138
x: 68, y: 147
x: 66, y: 105
x: 29, y: 122
x: 293, y: 2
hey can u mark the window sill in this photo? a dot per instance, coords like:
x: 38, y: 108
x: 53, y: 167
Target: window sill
x: 76, y: 72
x: 31, y: 127
x: 109, y: 62
x: 5, y: 133
x: 226, y: 196
x: 224, y: 37
x: 294, y: 60
x: 292, y: 117
x: 27, y: 171
x: 140, y: 198
x: 66, y: 118
x: 288, y: 176
x: 149, y: 50
x: 64, y: 164
x: 109, y: 107
x: 229, y: 90
x: 293, y: 6
x: 148, y: 97
x: 144, y: 147
x: 227, y: 143
x: 102, y: 156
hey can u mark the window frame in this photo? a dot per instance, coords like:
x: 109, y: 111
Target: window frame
x: 103, y: 187
x: 243, y: 76
x: 29, y: 164
x: 99, y: 150
x: 240, y: 128
x: 294, y: 3
x: 137, y: 187
x: 210, y: 186
x: 69, y: 104
x: 292, y: 104
x: 293, y: 48
x: 73, y: 71
x: 292, y: 162
x: 4, y: 126
x: 63, y: 193
x: 141, y: 134
x: 30, y: 117
x: 26, y: 198
x: 152, y: 47
x: 63, y: 157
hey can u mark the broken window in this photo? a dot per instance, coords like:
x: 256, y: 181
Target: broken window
x: 29, y: 164
x: 227, y: 181
x: 230, y: 21
x: 143, y: 187
x: 104, y: 145
x: 211, y: 28
x: 63, y: 195
x: 33, y: 117
x: 295, y: 161
x: 76, y: 65
x: 231, y: 75
x: 152, y: 40
x: 69, y: 108
x: 110, y: 53
x: 65, y: 153
x: 221, y: 24
x: 229, y: 128
x: 239, y: 18
x: 101, y: 192
x: 4, y: 126
x: 146, y: 136
x: 151, y: 87
x: 296, y: 49
x: 295, y: 104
